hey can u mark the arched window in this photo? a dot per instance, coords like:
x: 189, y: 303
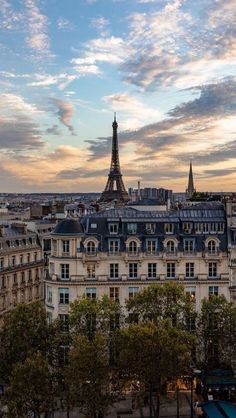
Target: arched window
x: 133, y: 247
x: 170, y: 247
x: 91, y: 249
x: 211, y: 247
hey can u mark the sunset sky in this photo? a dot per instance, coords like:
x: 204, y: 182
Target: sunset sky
x: 168, y: 68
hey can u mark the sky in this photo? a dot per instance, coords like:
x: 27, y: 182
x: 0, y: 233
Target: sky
x: 167, y: 67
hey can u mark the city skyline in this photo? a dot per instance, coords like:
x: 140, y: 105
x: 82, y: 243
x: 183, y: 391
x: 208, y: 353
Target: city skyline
x: 166, y: 67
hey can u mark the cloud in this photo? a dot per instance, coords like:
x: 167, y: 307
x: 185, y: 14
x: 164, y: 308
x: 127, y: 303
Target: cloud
x: 38, y: 39
x: 64, y: 24
x: 65, y: 111
x: 46, y: 80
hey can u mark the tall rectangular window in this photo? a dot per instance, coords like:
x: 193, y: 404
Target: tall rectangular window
x: 150, y: 228
x: 49, y: 294
x: 170, y: 270
x: 152, y: 270
x: 63, y: 295
x: 114, y: 271
x: 133, y: 270
x: 1, y: 263
x: 114, y: 294
x: 151, y: 246
x: 189, y: 270
x: 169, y: 228
x: 66, y: 246
x: 212, y: 270
x: 114, y: 246
x: 91, y: 292
x: 65, y: 271
x: 213, y: 291
x: 131, y: 228
x: 189, y: 245
x: 91, y: 270
x: 133, y: 291
x: 191, y: 291
x: 187, y: 227
x: 113, y: 228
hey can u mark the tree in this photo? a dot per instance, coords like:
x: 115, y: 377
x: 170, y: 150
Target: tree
x: 88, y: 375
x: 217, y: 332
x: 158, y: 302
x: 30, y: 391
x: 152, y: 354
x: 90, y: 315
x: 24, y: 332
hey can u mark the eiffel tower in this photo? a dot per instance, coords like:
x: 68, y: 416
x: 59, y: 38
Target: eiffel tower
x: 115, y: 189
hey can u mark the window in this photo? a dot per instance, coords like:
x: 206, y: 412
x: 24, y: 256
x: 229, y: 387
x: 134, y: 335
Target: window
x: 91, y: 270
x: 191, y: 292
x: 189, y: 245
x: 198, y: 228
x: 189, y: 270
x: 113, y: 228
x: 151, y: 246
x: 54, y: 245
x: 213, y: 291
x: 63, y: 295
x: 191, y: 323
x: 66, y: 246
x: 91, y: 292
x: 213, y: 228
x: 28, y: 258
x: 3, y: 282
x: 15, y: 278
x: 91, y: 249
x: 170, y: 270
x: 51, y: 268
x: 170, y: 247
x: 21, y: 259
x: 131, y: 228
x: 64, y: 320
x: 35, y: 256
x: 187, y: 227
x: 133, y: 291
x: 13, y: 260
x: 23, y: 277
x: 221, y: 228
x: 114, y: 246
x: 30, y: 275
x: 49, y: 294
x: 114, y: 294
x: 152, y: 270
x: 94, y: 226
x: 133, y: 247
x: 65, y: 271
x: 212, y: 270
x: 114, y: 271
x: 1, y: 263
x: 169, y: 228
x: 133, y: 270
x: 206, y: 228
x: 150, y: 228
x: 211, y: 246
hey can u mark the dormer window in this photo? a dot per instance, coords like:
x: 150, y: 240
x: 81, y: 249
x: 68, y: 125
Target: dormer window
x: 91, y: 248
x: 131, y: 228
x: 170, y: 247
x: 211, y: 246
x: 133, y: 247
x: 113, y: 228
x: 169, y: 228
x: 150, y: 228
x: 187, y: 228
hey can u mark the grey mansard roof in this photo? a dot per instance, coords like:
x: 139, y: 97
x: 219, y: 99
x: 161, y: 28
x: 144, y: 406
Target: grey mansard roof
x: 68, y: 227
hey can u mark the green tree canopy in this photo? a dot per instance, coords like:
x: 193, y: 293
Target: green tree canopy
x: 216, y: 332
x: 158, y: 302
x: 24, y: 331
x: 30, y: 391
x: 88, y: 375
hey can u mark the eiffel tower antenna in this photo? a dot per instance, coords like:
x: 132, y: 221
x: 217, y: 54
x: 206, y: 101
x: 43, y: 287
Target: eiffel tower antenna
x: 115, y: 189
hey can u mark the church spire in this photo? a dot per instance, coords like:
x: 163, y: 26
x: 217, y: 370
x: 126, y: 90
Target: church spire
x: 190, y: 189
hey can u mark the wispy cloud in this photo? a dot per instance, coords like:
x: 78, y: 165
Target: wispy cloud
x: 65, y: 111
x: 38, y: 39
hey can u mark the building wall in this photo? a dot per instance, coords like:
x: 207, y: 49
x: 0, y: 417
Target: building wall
x: 21, y: 268
x: 82, y: 263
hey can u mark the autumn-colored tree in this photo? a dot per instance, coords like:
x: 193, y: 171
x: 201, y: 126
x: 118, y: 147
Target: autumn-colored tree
x: 30, y: 391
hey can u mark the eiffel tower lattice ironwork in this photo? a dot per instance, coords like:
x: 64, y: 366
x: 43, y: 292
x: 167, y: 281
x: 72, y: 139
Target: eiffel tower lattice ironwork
x: 115, y: 189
